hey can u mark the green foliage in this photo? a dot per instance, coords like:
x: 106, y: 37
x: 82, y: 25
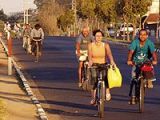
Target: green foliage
x: 66, y: 20
x: 86, y: 8
x: 3, y: 16
x: 93, y: 11
x: 134, y: 8
x: 106, y: 10
x: 1, y: 25
x: 48, y: 14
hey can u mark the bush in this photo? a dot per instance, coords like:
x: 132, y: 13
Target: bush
x: 1, y: 26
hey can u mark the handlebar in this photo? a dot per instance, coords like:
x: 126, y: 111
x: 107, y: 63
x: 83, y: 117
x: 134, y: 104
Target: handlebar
x: 37, y: 39
x: 100, y: 66
x: 149, y: 62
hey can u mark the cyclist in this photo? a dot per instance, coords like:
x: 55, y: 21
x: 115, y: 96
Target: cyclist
x: 26, y: 37
x: 139, y: 51
x: 99, y: 52
x: 37, y: 34
x: 81, y: 47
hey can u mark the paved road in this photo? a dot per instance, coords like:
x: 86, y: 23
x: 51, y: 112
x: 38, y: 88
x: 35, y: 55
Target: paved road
x: 54, y: 80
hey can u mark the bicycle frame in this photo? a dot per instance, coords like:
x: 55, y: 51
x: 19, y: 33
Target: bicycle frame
x: 101, y: 89
x: 140, y: 86
x: 100, y: 95
x: 37, y: 49
x: 27, y: 44
x: 85, y: 76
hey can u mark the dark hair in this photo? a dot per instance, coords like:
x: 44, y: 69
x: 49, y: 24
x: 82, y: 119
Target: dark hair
x: 37, y: 26
x: 95, y: 31
x: 143, y: 30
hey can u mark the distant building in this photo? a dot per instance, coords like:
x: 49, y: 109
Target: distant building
x: 154, y: 7
x: 152, y: 19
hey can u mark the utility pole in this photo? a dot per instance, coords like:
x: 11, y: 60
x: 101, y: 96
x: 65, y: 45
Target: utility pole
x: 25, y: 8
x: 74, y: 8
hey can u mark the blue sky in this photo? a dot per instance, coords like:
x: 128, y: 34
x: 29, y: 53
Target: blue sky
x: 14, y: 5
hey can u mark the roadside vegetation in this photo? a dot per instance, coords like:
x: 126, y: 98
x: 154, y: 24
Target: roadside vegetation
x: 63, y: 17
x: 3, y: 111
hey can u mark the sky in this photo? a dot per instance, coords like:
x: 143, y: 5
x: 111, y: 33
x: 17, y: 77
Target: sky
x: 14, y: 5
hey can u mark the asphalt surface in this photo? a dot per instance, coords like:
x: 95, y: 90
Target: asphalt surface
x: 54, y: 80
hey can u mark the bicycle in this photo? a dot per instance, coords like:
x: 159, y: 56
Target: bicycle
x: 37, y: 48
x: 27, y: 43
x: 101, y: 89
x: 140, y: 83
x: 85, y: 71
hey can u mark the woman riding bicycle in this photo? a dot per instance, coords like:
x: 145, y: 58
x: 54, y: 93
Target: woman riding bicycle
x: 139, y: 51
x: 98, y: 53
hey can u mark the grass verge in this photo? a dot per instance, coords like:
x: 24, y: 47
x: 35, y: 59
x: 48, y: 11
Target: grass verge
x: 3, y: 110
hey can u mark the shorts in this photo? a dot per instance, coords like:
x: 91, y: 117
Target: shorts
x: 83, y: 56
x: 94, y: 77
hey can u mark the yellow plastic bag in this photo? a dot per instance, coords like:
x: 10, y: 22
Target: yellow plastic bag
x: 114, y: 77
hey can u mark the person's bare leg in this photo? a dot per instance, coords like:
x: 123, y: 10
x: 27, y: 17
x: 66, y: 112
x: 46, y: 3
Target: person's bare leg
x: 93, y: 95
x: 79, y: 74
x: 108, y: 95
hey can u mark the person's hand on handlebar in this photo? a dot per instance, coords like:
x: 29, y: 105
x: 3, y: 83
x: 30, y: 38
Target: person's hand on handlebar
x: 154, y: 62
x: 90, y: 63
x: 129, y: 62
x: 113, y: 63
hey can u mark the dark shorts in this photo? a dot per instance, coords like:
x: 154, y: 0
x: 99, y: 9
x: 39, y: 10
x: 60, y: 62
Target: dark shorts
x: 94, y: 77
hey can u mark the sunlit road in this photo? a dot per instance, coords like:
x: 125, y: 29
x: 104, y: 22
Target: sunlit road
x: 54, y: 81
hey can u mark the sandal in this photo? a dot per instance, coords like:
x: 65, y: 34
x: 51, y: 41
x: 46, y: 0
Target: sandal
x: 108, y: 97
x: 93, y: 101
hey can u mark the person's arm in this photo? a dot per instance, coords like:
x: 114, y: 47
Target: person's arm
x: 90, y: 54
x: 132, y: 49
x: 129, y: 59
x: 109, y: 54
x: 78, y: 42
x: 153, y: 52
x: 154, y: 56
x: 78, y: 49
x: 42, y: 33
x: 32, y: 34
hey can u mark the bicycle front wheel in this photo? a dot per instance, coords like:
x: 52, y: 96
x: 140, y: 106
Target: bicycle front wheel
x: 37, y: 52
x: 141, y: 95
x: 101, y: 99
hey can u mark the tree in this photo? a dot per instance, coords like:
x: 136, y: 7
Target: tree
x: 48, y: 13
x: 3, y: 16
x: 86, y: 8
x: 133, y: 10
x: 106, y: 10
x: 66, y: 20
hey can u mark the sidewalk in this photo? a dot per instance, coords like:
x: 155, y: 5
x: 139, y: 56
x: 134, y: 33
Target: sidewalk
x: 19, y: 106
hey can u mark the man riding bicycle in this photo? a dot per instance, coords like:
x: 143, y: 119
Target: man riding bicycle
x: 140, y: 50
x: 81, y: 48
x: 26, y: 38
x: 37, y: 34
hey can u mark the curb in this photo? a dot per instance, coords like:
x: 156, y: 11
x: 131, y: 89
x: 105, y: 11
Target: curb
x: 35, y: 101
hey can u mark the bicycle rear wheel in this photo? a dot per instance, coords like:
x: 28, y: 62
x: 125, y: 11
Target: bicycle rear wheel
x: 101, y: 99
x: 141, y: 95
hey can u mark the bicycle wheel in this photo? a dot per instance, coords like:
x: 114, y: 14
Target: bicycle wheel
x: 37, y: 51
x: 84, y: 77
x: 141, y: 95
x: 101, y: 99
